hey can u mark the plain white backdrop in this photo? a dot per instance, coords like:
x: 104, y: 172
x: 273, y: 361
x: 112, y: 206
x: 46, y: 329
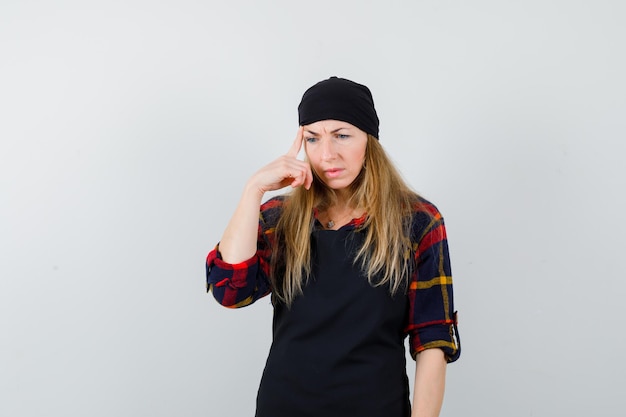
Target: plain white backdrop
x: 128, y: 128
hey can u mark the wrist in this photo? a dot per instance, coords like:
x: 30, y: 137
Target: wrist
x: 253, y: 191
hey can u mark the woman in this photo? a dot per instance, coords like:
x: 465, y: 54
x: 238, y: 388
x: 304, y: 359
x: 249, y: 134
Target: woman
x: 354, y: 260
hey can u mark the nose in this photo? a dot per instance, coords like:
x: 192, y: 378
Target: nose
x: 328, y: 149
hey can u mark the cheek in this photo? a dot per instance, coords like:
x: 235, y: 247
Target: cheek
x: 361, y: 157
x: 310, y: 158
x: 363, y: 150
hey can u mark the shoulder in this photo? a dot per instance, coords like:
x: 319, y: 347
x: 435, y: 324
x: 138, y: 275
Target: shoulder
x: 274, y: 203
x: 426, y: 217
x: 272, y: 209
x: 424, y: 208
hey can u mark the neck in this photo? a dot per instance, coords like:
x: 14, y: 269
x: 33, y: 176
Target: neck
x: 339, y: 213
x: 343, y: 198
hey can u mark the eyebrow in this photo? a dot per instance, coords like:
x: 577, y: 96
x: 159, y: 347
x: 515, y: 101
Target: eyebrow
x: 334, y: 131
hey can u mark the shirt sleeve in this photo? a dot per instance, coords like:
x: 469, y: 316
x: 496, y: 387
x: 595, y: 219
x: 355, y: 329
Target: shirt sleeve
x: 432, y: 318
x: 235, y: 285
x: 241, y: 284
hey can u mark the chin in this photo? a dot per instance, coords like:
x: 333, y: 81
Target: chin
x: 338, y: 185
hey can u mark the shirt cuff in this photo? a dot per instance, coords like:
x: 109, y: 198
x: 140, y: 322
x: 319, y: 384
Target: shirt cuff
x: 444, y: 336
x: 220, y: 273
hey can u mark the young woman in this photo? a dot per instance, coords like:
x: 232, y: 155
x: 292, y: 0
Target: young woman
x: 354, y: 260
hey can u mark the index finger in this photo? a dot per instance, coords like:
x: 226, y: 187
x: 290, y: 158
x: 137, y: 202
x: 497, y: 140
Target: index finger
x: 297, y: 144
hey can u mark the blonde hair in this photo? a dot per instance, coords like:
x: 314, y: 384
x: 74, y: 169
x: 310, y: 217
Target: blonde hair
x: 386, y: 251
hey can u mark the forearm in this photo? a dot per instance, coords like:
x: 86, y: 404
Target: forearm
x: 430, y: 381
x: 239, y: 241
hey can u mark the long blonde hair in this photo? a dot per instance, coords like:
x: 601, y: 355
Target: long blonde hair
x: 386, y: 251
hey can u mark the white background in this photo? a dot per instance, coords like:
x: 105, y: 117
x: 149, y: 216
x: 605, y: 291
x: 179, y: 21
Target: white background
x: 128, y: 129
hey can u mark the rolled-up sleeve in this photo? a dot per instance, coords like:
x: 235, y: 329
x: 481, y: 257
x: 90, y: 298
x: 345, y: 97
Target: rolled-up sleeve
x: 432, y: 319
x: 235, y: 285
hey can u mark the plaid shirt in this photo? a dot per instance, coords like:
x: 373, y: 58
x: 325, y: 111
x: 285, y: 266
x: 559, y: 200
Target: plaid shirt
x: 431, y: 319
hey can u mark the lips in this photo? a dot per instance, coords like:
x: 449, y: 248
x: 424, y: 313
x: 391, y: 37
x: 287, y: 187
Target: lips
x: 333, y: 172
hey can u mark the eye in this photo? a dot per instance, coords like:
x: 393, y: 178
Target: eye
x: 340, y: 136
x: 311, y: 139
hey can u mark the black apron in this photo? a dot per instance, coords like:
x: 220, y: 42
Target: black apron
x: 339, y: 350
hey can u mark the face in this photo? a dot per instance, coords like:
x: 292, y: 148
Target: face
x: 336, y: 151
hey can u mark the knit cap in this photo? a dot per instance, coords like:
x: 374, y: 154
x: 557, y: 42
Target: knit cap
x: 339, y: 99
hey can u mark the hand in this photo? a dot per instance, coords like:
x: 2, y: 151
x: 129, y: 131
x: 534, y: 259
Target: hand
x: 284, y: 171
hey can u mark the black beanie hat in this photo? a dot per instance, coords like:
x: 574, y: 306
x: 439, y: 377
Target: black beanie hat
x: 339, y: 99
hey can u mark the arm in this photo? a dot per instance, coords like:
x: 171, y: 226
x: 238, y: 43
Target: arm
x: 432, y: 318
x: 239, y: 240
x: 430, y: 381
x: 237, y: 270
x: 433, y: 337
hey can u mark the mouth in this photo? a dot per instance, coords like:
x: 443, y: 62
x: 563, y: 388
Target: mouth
x: 333, y: 172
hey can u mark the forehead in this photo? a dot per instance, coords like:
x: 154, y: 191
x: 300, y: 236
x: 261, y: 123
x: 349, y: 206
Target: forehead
x: 324, y: 126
